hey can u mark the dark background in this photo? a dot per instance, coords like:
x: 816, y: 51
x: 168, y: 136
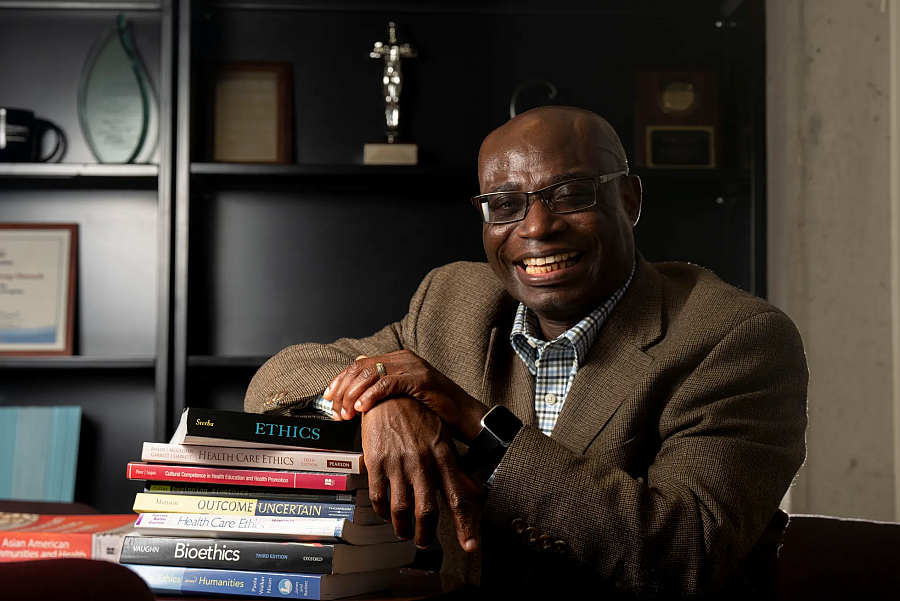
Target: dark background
x: 192, y: 273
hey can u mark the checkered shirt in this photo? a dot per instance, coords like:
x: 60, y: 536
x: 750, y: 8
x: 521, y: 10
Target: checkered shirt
x: 555, y: 363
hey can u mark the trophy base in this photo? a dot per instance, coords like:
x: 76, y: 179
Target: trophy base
x: 391, y: 154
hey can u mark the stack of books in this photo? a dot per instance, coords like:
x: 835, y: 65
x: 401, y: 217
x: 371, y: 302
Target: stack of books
x: 247, y: 504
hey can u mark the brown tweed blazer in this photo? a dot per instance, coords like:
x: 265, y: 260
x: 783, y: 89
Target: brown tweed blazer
x: 680, y: 435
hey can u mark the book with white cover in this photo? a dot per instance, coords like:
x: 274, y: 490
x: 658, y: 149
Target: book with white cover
x: 272, y: 459
x: 267, y: 527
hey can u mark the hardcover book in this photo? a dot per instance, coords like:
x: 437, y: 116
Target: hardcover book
x: 214, y: 428
x: 314, y: 530
x: 162, y: 579
x: 30, y: 536
x: 273, y: 479
x: 353, y: 497
x: 310, y: 461
x: 256, y: 556
x: 149, y: 502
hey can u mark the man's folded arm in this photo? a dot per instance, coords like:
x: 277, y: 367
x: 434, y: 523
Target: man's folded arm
x: 732, y: 439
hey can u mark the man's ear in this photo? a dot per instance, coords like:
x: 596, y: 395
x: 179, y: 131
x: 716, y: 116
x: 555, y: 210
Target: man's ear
x: 632, y: 196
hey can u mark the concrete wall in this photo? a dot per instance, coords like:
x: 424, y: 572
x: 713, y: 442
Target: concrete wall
x: 832, y: 240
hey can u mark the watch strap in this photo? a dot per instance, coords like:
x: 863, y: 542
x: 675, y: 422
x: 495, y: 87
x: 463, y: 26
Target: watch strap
x: 487, y: 446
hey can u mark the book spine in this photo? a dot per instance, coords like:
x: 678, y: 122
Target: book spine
x: 272, y: 479
x: 148, y: 502
x: 237, y: 491
x: 312, y: 461
x: 226, y: 526
x: 228, y: 554
x: 307, y: 432
x: 163, y: 579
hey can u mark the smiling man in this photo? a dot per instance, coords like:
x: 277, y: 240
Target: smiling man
x: 588, y: 418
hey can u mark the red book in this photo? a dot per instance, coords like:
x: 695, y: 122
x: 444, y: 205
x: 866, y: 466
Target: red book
x: 30, y: 536
x: 271, y: 478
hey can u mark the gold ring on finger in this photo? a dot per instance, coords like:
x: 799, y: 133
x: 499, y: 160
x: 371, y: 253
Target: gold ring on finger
x: 382, y: 372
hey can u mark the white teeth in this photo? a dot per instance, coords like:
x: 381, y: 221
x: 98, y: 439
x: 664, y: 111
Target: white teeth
x: 549, y: 260
x: 535, y: 269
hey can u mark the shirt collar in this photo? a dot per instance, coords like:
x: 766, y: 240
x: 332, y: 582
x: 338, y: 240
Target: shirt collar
x: 526, y: 338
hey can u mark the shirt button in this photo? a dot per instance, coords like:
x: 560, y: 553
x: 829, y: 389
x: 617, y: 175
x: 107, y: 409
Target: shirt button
x: 550, y: 398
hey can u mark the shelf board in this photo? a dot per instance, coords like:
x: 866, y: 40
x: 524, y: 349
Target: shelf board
x: 656, y: 174
x: 253, y: 169
x: 111, y: 5
x: 333, y: 177
x: 565, y: 7
x: 75, y: 170
x: 77, y: 362
x: 215, y: 361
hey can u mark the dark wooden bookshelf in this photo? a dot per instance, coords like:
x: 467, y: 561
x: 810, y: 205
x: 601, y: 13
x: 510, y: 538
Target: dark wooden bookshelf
x: 192, y: 273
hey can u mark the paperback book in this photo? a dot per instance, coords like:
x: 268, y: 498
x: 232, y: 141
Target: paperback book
x: 310, y: 461
x: 271, y: 479
x: 215, y: 428
x: 268, y: 556
x: 354, y: 497
x: 267, y: 527
x: 30, y: 536
x: 280, y: 585
x: 153, y: 502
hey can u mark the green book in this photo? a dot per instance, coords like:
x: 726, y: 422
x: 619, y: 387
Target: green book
x: 39, y: 453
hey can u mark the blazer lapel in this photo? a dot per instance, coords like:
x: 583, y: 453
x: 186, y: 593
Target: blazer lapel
x: 507, y: 380
x: 615, y: 363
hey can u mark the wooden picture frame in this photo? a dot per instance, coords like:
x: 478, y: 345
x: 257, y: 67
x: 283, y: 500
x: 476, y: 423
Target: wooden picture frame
x: 686, y: 134
x: 251, y: 113
x: 38, y: 263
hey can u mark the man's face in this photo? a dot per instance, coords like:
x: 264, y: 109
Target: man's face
x: 591, y: 251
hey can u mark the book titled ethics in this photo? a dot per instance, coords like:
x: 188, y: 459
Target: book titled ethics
x: 212, y: 427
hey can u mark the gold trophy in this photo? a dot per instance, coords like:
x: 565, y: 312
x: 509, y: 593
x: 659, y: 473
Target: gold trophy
x: 391, y: 152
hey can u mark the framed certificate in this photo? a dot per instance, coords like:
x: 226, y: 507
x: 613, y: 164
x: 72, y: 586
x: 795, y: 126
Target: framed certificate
x: 251, y: 113
x: 37, y: 288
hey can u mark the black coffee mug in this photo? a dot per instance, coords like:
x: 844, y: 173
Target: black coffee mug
x: 22, y: 135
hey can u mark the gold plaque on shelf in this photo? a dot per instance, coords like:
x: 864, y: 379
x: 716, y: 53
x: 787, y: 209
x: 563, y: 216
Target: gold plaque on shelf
x: 252, y: 113
x: 677, y: 119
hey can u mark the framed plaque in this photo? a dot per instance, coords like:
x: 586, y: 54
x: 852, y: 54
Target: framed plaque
x: 37, y: 288
x: 251, y: 113
x: 677, y: 121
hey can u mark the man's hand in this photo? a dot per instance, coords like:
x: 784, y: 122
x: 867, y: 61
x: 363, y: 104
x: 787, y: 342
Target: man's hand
x: 408, y: 447
x: 360, y: 386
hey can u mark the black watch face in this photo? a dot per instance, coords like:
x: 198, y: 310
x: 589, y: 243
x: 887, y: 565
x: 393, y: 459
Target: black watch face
x: 503, y: 424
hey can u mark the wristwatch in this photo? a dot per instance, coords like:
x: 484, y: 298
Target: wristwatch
x: 498, y: 428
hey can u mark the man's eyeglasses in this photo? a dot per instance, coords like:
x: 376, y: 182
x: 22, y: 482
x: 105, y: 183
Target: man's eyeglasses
x: 565, y: 197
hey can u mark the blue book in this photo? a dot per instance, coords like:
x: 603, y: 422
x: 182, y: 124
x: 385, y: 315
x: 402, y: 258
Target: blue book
x: 168, y: 580
x: 39, y: 453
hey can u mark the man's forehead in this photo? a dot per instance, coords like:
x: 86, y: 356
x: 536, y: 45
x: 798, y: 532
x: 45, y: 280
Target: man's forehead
x: 555, y: 144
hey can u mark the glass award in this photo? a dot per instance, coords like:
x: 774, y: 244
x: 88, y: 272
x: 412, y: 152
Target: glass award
x: 116, y: 102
